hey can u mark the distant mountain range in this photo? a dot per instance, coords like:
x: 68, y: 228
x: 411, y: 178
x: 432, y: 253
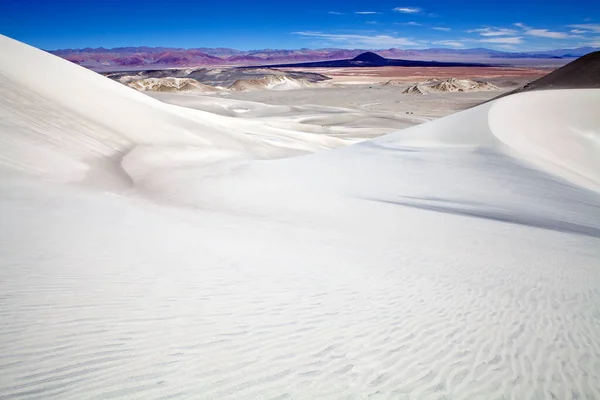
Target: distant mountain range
x: 123, y: 58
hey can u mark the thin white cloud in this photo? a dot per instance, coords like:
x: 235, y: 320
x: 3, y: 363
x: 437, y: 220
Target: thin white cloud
x: 577, y: 31
x: 414, y: 23
x: 548, y: 34
x: 374, y: 41
x: 439, y: 28
x: 407, y: 10
x: 335, y: 13
x: 587, y: 27
x: 453, y: 43
x: 594, y: 43
x: 365, y: 12
x: 503, y: 40
x: 493, y: 31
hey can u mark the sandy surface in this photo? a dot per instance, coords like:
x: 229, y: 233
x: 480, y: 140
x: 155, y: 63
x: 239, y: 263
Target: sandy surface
x: 373, y: 98
x: 149, y: 250
x: 352, y: 112
x: 414, y: 74
x: 371, y: 107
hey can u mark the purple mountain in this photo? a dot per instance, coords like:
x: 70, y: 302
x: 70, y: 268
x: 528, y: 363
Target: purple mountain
x: 123, y: 58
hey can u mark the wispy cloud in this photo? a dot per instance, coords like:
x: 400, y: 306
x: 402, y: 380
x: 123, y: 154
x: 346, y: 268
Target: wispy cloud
x: 586, y: 27
x: 549, y: 34
x: 365, y: 12
x: 374, y: 41
x: 439, y: 28
x: 594, y: 43
x: 407, y: 10
x: 545, y: 33
x: 578, y: 31
x: 493, y: 31
x: 453, y: 43
x: 414, y: 23
x: 503, y: 40
x: 335, y: 13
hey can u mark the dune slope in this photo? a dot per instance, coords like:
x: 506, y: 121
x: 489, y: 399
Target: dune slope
x: 62, y: 127
x: 457, y: 259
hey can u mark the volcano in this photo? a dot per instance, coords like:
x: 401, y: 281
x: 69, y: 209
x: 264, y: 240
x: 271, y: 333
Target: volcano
x: 371, y: 58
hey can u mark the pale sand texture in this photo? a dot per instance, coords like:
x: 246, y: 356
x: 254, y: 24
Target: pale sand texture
x: 155, y: 251
x: 409, y: 74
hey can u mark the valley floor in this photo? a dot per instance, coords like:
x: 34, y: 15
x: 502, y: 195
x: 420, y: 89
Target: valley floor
x: 354, y: 111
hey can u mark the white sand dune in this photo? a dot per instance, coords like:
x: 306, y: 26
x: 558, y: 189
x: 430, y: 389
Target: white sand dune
x: 561, y: 131
x: 84, y: 118
x: 458, y: 259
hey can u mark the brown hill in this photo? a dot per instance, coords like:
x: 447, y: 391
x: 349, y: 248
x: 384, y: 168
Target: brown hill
x: 414, y: 89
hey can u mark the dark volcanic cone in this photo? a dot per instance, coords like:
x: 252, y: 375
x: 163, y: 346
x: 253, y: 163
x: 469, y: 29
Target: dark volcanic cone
x: 371, y: 58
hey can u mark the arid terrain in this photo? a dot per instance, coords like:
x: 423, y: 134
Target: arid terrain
x: 349, y: 102
x: 282, y: 238
x: 299, y: 200
x: 414, y: 74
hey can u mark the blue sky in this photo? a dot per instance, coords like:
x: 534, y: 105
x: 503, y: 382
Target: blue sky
x: 502, y: 24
